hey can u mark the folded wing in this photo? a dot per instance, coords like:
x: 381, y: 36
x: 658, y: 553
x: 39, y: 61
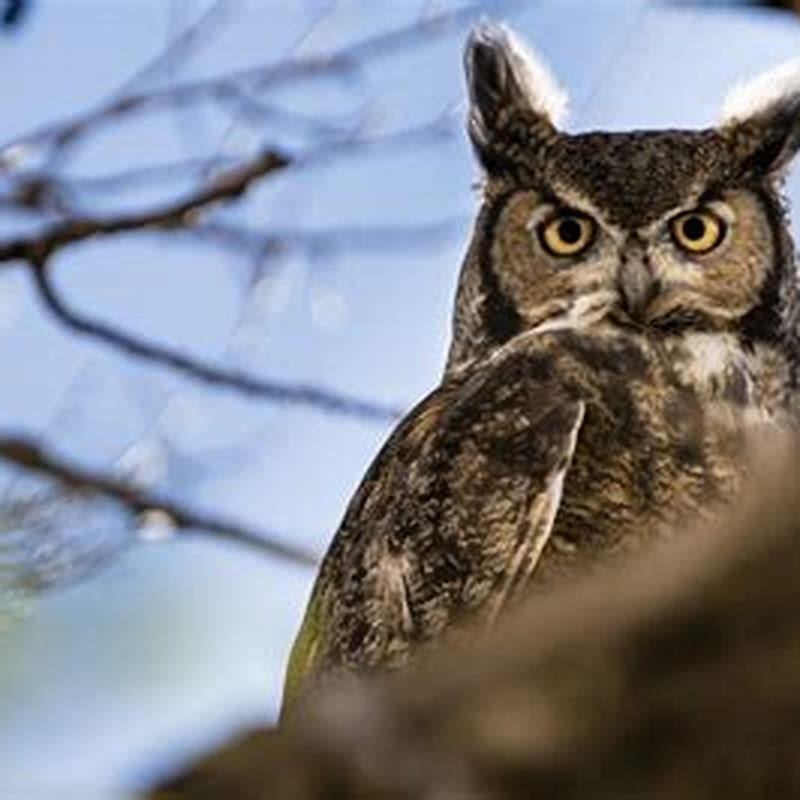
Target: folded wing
x: 449, y: 522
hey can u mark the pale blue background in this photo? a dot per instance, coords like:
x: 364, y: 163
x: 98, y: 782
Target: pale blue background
x: 180, y: 643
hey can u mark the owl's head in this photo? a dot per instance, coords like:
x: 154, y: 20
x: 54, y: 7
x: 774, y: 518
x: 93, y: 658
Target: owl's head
x: 661, y: 230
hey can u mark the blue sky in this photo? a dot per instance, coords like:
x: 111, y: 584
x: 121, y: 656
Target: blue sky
x: 179, y: 643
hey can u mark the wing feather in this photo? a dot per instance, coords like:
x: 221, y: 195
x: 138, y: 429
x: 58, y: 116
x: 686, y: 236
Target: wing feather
x: 449, y: 522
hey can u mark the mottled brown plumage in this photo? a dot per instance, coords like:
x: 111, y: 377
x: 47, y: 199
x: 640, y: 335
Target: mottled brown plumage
x: 625, y: 329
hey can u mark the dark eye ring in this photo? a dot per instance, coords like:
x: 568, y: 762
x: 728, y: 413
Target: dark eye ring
x: 567, y: 234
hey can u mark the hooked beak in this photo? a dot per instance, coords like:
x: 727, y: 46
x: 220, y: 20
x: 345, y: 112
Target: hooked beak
x: 637, y: 287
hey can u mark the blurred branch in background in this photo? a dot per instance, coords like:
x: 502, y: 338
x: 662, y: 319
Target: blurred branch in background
x: 791, y: 5
x: 187, y: 215
x: 788, y: 5
x: 39, y: 186
x: 673, y: 676
x: 172, y: 516
x: 202, y: 372
x: 14, y: 12
x: 51, y: 140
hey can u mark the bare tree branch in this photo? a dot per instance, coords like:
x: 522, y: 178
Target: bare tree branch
x: 30, y: 456
x: 248, y: 107
x: 789, y: 5
x: 675, y: 676
x: 46, y: 190
x: 298, y: 394
x: 13, y: 12
x: 43, y: 190
x: 342, y: 61
x: 185, y: 214
x: 227, y: 185
x: 366, y: 237
x: 183, y: 45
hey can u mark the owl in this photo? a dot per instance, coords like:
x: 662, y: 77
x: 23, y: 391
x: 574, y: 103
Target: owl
x: 626, y: 326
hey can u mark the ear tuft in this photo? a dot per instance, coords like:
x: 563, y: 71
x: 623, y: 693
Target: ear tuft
x: 503, y: 74
x: 763, y: 116
x: 767, y: 91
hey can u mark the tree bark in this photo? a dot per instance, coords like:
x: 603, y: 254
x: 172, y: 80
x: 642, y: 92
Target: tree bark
x: 677, y: 675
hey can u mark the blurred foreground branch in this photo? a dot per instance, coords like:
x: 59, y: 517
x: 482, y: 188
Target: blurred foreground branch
x: 675, y: 676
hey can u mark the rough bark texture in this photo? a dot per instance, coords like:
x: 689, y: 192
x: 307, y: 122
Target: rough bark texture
x: 676, y: 676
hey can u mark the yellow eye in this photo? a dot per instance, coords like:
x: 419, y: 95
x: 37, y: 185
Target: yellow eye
x: 698, y: 231
x: 568, y: 234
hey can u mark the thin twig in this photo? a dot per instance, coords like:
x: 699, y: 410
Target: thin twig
x: 132, y: 177
x: 341, y: 61
x: 183, y: 214
x: 248, y: 107
x: 227, y: 185
x: 181, y: 47
x: 32, y: 457
x: 379, y: 238
x: 273, y: 391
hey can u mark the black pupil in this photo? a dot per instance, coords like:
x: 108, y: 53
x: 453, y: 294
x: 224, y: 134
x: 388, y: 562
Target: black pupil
x: 569, y: 230
x: 694, y: 229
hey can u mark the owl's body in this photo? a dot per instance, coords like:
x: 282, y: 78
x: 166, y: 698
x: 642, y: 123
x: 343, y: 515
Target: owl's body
x: 625, y: 329
x: 445, y: 525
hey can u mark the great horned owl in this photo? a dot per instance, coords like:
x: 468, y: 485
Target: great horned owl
x: 626, y: 318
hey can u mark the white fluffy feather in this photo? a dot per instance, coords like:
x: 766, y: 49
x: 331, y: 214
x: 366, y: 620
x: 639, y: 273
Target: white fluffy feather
x: 541, y: 88
x: 770, y: 89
